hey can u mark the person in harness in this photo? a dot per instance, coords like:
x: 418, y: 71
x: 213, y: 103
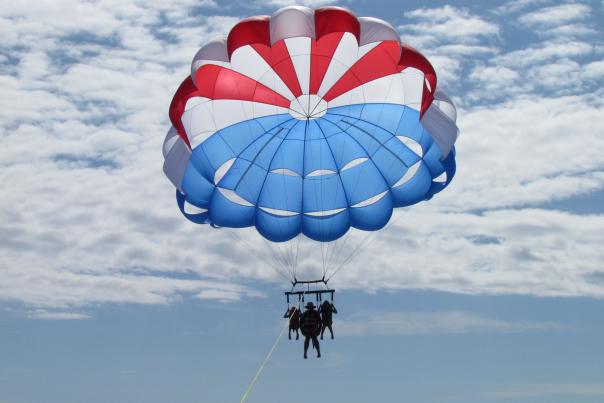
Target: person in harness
x: 310, y: 324
x: 326, y: 310
x: 293, y: 314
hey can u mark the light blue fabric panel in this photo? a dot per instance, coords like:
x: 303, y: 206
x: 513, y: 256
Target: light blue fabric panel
x: 251, y: 183
x: 282, y: 192
x: 235, y: 174
x: 198, y: 189
x: 240, y: 135
x: 298, y: 131
x: 390, y: 165
x: 265, y: 149
x: 276, y: 228
x: 201, y: 218
x: 449, y: 167
x: 386, y: 116
x: 344, y: 147
x: 225, y: 213
x: 326, y: 229
x: 362, y: 182
x: 368, y: 142
x: 323, y: 193
x: 374, y: 216
x: 318, y: 155
x: 289, y: 155
x: 432, y: 159
x: 210, y: 155
x: 413, y: 191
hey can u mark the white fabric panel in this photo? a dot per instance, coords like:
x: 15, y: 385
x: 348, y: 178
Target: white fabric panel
x: 284, y: 171
x: 320, y: 172
x: 428, y: 84
x: 354, y: 163
x: 277, y: 212
x: 442, y: 178
x: 413, y: 84
x: 345, y: 56
x: 363, y: 50
x: 169, y: 140
x: 192, y: 209
x: 234, y: 197
x: 325, y: 213
x: 376, y: 30
x: 222, y: 170
x: 195, y: 101
x: 445, y: 104
x: 408, y: 175
x: 291, y: 22
x: 388, y: 89
x: 299, y: 51
x: 248, y: 62
x: 443, y: 130
x: 412, y: 145
x: 202, y: 120
x: 371, y: 200
x: 176, y: 162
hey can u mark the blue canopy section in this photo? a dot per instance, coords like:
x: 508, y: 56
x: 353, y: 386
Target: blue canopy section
x: 348, y: 168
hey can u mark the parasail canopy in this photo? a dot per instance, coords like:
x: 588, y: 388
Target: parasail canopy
x: 308, y: 122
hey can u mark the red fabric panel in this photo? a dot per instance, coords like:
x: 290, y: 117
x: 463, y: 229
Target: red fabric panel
x: 185, y: 91
x: 279, y: 59
x: 378, y: 62
x: 248, y: 31
x: 410, y: 57
x: 217, y: 82
x: 322, y: 51
x: 427, y: 98
x: 336, y: 19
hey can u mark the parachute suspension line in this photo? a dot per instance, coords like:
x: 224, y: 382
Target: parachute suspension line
x: 298, y: 238
x: 362, y: 246
x: 271, y: 262
x: 279, y: 263
x: 266, y: 360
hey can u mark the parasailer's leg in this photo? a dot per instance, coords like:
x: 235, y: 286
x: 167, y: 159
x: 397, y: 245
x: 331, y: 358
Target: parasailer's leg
x: 317, y: 347
x: 306, y: 343
x: 297, y: 334
x: 330, y: 330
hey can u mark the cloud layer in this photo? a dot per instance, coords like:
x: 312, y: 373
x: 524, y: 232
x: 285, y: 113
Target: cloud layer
x: 88, y: 217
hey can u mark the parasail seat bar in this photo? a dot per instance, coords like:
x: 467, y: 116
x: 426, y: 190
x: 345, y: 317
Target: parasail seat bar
x: 317, y: 293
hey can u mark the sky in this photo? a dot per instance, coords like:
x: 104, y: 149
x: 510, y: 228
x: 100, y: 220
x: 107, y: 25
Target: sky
x: 491, y: 292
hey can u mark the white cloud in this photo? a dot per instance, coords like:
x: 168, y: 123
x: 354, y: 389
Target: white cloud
x: 528, y: 150
x: 556, y: 15
x: 56, y: 315
x: 449, y: 36
x: 88, y: 217
x: 449, y: 24
x: 515, y: 6
x: 440, y: 322
x: 526, y: 252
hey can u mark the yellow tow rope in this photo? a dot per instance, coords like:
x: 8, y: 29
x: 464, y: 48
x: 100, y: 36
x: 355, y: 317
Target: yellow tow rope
x: 268, y: 357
